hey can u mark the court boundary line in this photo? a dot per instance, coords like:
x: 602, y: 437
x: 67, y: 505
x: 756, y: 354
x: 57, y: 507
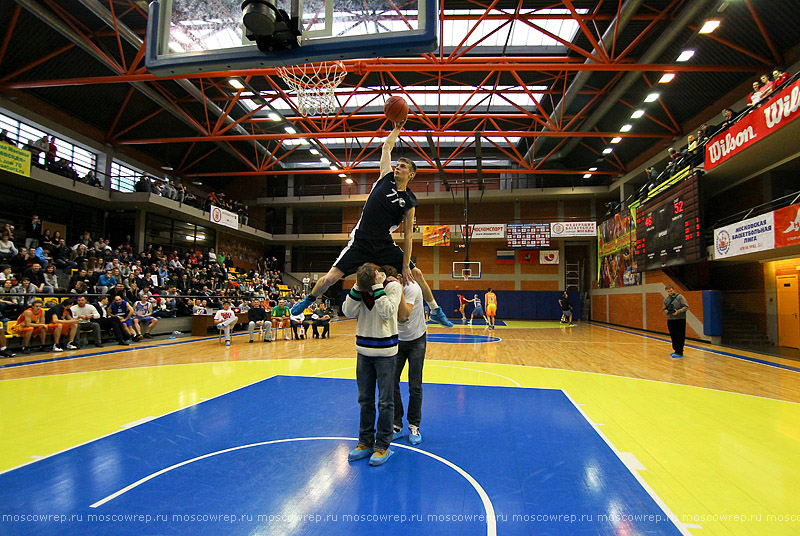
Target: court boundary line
x: 488, y: 507
x: 647, y: 488
x: 132, y: 427
x: 708, y: 350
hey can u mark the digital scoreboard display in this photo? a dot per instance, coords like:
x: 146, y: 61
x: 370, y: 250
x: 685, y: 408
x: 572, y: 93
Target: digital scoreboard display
x: 668, y: 228
x: 528, y: 235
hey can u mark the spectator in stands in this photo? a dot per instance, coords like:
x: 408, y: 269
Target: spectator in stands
x: 7, y: 248
x: 4, y: 351
x: 105, y: 282
x: 321, y: 318
x: 79, y: 288
x: 5, y: 272
x: 727, y: 119
x: 5, y: 139
x: 87, y: 317
x: 755, y: 96
x: 280, y: 318
x: 39, y: 255
x: 778, y: 78
x: 9, y: 304
x: 766, y: 86
x: 299, y: 321
x: 42, y: 146
x: 51, y: 279
x: 143, y: 184
x: 50, y: 157
x: 36, y: 277
x: 200, y: 307
x: 61, y: 256
x: 33, y: 231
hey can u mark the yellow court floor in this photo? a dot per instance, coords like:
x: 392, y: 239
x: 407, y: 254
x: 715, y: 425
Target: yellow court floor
x: 716, y: 437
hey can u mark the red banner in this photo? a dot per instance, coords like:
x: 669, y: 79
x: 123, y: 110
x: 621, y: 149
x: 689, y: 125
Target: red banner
x: 528, y: 257
x: 775, y: 113
x: 787, y: 226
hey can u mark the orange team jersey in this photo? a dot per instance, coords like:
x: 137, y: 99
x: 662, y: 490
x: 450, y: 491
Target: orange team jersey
x: 35, y: 319
x: 491, y: 298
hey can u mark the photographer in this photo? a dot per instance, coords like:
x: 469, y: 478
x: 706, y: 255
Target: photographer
x: 675, y: 307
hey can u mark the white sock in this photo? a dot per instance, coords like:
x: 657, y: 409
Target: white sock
x: 432, y: 304
x: 2, y: 348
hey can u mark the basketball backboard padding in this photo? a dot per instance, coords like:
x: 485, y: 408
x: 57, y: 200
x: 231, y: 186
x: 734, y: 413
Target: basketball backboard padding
x: 180, y: 42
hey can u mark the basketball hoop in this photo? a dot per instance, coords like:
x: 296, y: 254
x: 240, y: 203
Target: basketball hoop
x: 314, y: 84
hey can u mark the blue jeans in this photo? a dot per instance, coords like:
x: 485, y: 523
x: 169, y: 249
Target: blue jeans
x: 414, y: 353
x: 369, y: 372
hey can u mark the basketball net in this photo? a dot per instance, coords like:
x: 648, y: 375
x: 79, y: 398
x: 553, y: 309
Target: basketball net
x: 314, y: 84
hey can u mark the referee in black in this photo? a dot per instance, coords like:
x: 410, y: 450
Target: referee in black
x: 675, y: 307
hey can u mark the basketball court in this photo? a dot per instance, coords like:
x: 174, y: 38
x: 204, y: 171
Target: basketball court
x: 529, y: 430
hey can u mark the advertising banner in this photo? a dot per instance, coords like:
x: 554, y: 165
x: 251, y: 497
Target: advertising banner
x: 746, y: 236
x: 15, y: 160
x: 787, y: 226
x: 775, y: 113
x: 224, y: 217
x: 616, y: 241
x: 562, y: 229
x: 435, y: 235
x: 483, y: 230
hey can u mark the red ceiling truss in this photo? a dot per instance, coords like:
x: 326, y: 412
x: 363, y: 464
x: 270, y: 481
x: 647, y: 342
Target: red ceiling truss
x: 474, y: 77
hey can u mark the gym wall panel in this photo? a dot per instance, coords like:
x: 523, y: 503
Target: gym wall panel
x: 626, y: 310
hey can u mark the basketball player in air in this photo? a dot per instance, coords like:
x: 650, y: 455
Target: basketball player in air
x: 491, y: 308
x: 389, y: 204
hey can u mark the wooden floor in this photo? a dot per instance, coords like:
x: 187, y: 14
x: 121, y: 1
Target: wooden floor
x: 592, y: 348
x: 711, y: 434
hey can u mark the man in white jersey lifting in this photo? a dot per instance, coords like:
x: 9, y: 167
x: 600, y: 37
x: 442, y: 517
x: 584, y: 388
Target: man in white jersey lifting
x: 389, y: 204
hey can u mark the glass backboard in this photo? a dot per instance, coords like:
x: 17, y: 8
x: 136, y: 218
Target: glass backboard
x: 208, y: 35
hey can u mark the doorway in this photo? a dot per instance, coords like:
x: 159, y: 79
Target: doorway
x: 788, y: 311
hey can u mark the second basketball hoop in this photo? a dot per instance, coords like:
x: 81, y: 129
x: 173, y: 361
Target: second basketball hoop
x: 315, y: 85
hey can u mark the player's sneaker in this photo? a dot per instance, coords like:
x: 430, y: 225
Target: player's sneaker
x: 381, y: 456
x: 301, y: 306
x: 227, y: 343
x: 676, y: 356
x: 360, y: 452
x: 414, y: 435
x: 6, y: 353
x: 71, y: 346
x: 56, y: 348
x: 437, y: 315
x: 398, y: 433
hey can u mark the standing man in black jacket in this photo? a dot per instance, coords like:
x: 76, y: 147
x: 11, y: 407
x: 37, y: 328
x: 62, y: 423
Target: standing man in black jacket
x: 675, y: 307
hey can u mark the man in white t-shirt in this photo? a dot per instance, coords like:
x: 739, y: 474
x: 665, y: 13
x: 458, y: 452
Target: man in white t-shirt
x: 224, y: 319
x: 412, y: 336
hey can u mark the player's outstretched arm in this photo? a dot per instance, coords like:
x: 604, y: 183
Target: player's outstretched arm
x: 388, y: 145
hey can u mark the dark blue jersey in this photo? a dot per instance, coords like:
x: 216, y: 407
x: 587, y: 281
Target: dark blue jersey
x: 384, y: 210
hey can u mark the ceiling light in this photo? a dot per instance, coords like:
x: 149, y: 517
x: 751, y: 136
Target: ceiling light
x: 167, y: 167
x: 349, y: 181
x: 290, y: 130
x: 198, y: 183
x: 343, y: 175
x: 334, y: 168
x: 236, y: 83
x: 616, y: 140
x: 274, y: 117
x: 709, y: 26
x: 592, y: 169
x: 685, y: 55
x: 587, y: 176
x: 304, y: 141
x: 666, y: 78
x: 608, y: 150
x: 637, y: 114
x: 652, y: 97
x: 313, y: 151
x: 324, y: 160
x: 625, y: 128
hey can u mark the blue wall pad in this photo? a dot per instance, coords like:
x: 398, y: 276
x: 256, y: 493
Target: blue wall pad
x: 273, y: 458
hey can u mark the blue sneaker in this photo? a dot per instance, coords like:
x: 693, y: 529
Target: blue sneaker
x: 437, y: 315
x: 381, y: 456
x: 360, y: 452
x: 398, y: 433
x: 301, y: 306
x: 414, y: 435
x: 676, y: 356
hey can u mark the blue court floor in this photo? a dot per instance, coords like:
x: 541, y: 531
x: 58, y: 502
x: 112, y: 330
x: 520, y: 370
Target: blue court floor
x: 271, y: 458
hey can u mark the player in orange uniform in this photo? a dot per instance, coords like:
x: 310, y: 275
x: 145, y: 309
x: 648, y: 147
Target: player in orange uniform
x: 491, y: 307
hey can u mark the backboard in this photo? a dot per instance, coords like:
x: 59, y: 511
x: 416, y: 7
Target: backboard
x: 185, y: 36
x: 466, y: 270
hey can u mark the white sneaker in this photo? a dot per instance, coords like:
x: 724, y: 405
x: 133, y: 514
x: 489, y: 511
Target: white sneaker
x: 57, y: 349
x: 71, y: 346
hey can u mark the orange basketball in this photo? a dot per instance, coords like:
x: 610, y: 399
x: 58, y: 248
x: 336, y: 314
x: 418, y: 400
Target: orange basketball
x: 457, y: 287
x: 395, y: 109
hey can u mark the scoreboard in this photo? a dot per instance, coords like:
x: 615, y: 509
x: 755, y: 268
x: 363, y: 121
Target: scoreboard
x: 528, y: 235
x: 668, y: 228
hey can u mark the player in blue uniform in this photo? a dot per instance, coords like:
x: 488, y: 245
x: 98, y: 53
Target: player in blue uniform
x: 389, y: 204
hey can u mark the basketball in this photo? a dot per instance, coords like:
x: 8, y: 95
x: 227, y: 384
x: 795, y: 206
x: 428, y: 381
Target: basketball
x: 396, y: 109
x: 458, y: 288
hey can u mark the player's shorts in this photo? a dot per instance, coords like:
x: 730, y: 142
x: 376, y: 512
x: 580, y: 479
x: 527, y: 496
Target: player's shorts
x: 478, y: 311
x: 491, y: 309
x: 461, y: 307
x: 380, y: 252
x: 144, y: 319
x: 20, y: 329
x: 128, y: 322
x: 52, y: 327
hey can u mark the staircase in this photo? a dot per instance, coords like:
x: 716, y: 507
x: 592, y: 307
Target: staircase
x: 741, y: 329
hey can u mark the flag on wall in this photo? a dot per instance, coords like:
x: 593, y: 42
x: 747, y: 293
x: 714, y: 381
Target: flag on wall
x: 548, y: 256
x: 505, y: 257
x: 527, y: 257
